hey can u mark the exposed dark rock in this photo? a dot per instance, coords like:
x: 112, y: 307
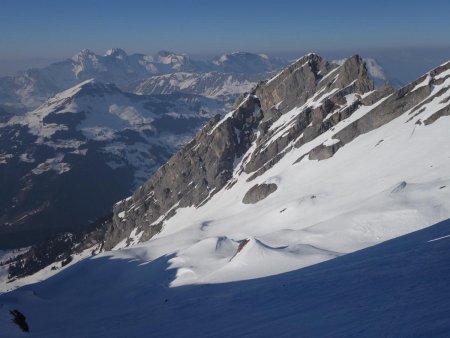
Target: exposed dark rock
x: 400, y: 187
x: 241, y: 246
x: 66, y: 261
x: 442, y: 112
x: 259, y: 192
x: 20, y: 320
x: 207, y: 162
x: 323, y: 152
x: 312, y: 70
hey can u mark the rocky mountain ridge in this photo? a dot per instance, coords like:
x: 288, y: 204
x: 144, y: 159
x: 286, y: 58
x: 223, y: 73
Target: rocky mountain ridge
x: 318, y: 95
x: 308, y: 112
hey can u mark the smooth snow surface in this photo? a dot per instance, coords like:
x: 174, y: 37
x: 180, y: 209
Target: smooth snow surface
x: 335, y: 206
x: 396, y: 289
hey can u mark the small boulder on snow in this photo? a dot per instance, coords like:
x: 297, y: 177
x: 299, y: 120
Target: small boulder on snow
x: 259, y: 192
x: 399, y: 187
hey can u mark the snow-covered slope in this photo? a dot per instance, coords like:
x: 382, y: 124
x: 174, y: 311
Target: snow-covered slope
x: 375, y: 173
x: 313, y: 164
x: 395, y: 289
x: 211, y: 84
x: 300, y: 160
x: 107, y: 110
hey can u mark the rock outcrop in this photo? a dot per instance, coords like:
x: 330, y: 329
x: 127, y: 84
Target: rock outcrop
x: 259, y: 192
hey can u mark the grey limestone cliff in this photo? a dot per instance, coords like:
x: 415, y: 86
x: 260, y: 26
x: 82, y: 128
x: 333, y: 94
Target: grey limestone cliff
x: 321, y: 94
x: 206, y: 164
x: 293, y: 109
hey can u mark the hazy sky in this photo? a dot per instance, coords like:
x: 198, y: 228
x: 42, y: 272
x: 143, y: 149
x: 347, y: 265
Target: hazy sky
x: 39, y: 31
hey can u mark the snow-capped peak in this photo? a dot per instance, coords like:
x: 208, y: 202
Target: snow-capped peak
x: 91, y: 86
x: 74, y: 90
x: 84, y: 53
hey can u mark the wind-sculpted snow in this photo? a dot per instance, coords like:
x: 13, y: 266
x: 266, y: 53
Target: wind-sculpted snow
x: 348, y: 148
x: 397, y: 288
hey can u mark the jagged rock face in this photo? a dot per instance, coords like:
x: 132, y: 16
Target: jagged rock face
x: 295, y: 107
x: 411, y: 97
x: 90, y: 126
x: 191, y: 176
x: 293, y: 86
x: 206, y: 164
x: 320, y: 80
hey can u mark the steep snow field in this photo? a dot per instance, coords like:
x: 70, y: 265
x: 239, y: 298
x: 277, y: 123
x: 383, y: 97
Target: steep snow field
x: 395, y: 289
x: 385, y: 183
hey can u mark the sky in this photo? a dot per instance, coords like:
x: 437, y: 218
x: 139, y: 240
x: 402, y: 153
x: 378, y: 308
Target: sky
x: 37, y: 32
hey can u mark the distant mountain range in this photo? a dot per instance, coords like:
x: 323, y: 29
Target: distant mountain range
x: 31, y: 88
